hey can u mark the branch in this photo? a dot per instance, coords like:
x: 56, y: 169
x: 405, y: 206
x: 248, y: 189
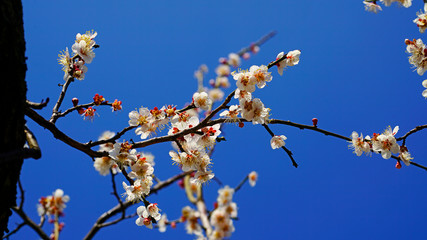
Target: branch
x: 15, y: 230
x: 63, y: 114
x: 69, y: 80
x: 111, y: 140
x: 60, y: 135
x: 241, y: 183
x: 283, y: 147
x: 30, y: 223
x: 39, y: 106
x: 416, y: 129
x: 118, y: 208
x: 257, y: 43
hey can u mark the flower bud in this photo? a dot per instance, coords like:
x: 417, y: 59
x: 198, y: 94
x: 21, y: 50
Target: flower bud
x: 398, y: 165
x: 314, y: 120
x: 75, y: 101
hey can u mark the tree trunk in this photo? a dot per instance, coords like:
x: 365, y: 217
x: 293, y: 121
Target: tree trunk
x: 13, y: 91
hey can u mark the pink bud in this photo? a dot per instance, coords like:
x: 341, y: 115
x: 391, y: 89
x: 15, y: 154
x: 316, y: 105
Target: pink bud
x: 398, y: 165
x: 314, y: 120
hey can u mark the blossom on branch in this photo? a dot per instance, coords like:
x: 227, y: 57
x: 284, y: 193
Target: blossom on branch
x: 372, y: 7
x: 358, y: 144
x: 278, y: 141
x: 53, y: 204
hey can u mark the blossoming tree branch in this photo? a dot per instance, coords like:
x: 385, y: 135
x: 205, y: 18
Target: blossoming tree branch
x: 193, y: 131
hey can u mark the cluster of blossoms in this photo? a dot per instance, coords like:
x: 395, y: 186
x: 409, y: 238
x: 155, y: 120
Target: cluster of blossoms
x: 148, y: 121
x: 74, y: 66
x: 221, y: 217
x: 147, y: 214
x: 384, y: 143
x: 252, y: 109
x: 141, y: 165
x: 372, y: 6
x: 104, y: 164
x: 191, y: 218
x: 194, y: 153
x: 89, y: 113
x: 53, y: 205
x: 418, y: 58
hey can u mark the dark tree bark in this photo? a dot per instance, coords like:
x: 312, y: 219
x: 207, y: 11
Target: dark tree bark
x: 13, y: 91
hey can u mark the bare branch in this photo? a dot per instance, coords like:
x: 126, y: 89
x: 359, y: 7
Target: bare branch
x: 14, y: 230
x: 60, y: 135
x: 241, y: 183
x: 41, y: 105
x: 30, y: 223
x: 416, y: 129
x: 118, y: 208
x: 67, y: 83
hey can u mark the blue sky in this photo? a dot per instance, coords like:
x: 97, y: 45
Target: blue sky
x: 353, y: 75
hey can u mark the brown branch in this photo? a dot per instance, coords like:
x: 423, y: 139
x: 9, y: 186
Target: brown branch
x: 257, y: 43
x: 38, y: 106
x: 68, y: 111
x: 62, y: 136
x: 67, y: 83
x: 100, y: 222
x: 416, y: 129
x: 14, y: 230
x: 111, y: 140
x: 294, y: 163
x: 241, y: 183
x: 30, y: 223
x: 116, y: 194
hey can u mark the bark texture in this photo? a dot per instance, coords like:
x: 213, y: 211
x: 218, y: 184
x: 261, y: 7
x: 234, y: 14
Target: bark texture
x: 13, y: 91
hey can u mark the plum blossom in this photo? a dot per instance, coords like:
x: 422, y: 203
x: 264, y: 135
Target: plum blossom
x: 425, y: 91
x: 278, y: 141
x: 244, y: 80
x: 291, y: 59
x: 234, y: 60
x: 261, y: 75
x: 385, y: 143
x: 421, y: 21
x: 53, y: 204
x: 232, y: 113
x: 202, y: 100
x: 372, y: 7
x: 84, y: 46
x: 418, y: 52
x: 358, y: 144
x: 144, y: 215
x: 253, y: 177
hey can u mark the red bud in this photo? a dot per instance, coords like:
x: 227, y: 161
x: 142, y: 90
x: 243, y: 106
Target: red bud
x: 314, y: 120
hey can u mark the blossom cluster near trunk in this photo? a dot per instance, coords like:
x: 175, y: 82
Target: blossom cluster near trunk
x: 384, y: 144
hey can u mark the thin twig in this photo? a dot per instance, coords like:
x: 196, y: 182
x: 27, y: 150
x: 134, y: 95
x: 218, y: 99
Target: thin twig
x: 14, y: 230
x: 241, y: 183
x: 68, y: 111
x: 38, y: 106
x: 257, y: 43
x: 60, y: 135
x: 118, y: 208
x: 110, y: 140
x: 67, y: 83
x: 113, y: 182
x: 416, y: 129
x: 294, y: 163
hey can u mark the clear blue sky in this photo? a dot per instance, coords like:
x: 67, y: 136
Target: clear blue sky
x: 353, y: 75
